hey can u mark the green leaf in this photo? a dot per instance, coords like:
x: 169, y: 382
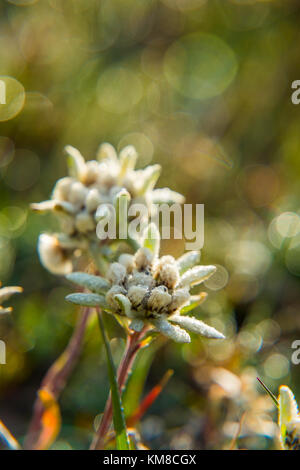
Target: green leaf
x: 151, y: 239
x: 93, y: 283
x: 88, y: 300
x: 118, y: 414
x: 272, y: 396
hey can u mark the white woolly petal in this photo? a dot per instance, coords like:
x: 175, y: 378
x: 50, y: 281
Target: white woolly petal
x: 128, y: 157
x: 84, y: 222
x: 142, y: 258
x: 77, y: 167
x: 141, y: 279
x: 5, y: 310
x: 89, y: 300
x: 106, y: 151
x: 136, y: 295
x: 137, y: 325
x: 127, y: 261
x: 158, y: 299
x: 288, y: 409
x: 171, y: 331
x: 196, y: 275
x: 149, y: 177
x: 54, y: 205
x: 169, y: 275
x: 62, y: 188
x: 188, y: 260
x: 44, y: 206
x: 197, y: 326
x: 77, y: 194
x: 166, y: 196
x: 7, y: 292
x: 116, y: 273
x: 180, y: 297
x: 52, y: 255
x: 92, y: 200
x: 91, y: 172
x: 91, y: 282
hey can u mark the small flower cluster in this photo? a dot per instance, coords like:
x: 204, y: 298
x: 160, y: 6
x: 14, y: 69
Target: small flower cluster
x: 147, y: 289
x: 288, y: 419
x: 82, y: 198
x: 5, y: 294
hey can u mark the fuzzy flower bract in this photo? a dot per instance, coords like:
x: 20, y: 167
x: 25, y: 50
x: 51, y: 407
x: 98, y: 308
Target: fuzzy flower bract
x: 5, y: 294
x: 149, y: 290
x: 82, y: 199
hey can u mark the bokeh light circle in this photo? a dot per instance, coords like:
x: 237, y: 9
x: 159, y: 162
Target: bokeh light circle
x: 7, y: 149
x: 288, y: 224
x: 219, y: 279
x: 276, y: 366
x: 119, y: 89
x: 12, y: 98
x: 200, y: 66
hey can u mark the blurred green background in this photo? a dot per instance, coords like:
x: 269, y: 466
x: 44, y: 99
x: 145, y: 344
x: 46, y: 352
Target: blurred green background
x: 204, y: 88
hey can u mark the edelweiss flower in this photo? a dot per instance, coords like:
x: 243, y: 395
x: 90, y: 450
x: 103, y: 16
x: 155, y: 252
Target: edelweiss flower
x: 150, y: 290
x: 82, y: 198
x: 5, y: 294
x: 288, y: 419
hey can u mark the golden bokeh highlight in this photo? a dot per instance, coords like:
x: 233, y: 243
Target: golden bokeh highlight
x: 12, y: 98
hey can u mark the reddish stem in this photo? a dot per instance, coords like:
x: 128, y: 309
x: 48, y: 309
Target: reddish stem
x: 57, y: 376
x: 132, y: 347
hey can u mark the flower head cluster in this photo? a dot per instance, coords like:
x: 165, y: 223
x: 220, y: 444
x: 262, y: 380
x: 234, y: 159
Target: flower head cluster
x: 147, y: 289
x: 5, y: 294
x: 288, y: 419
x: 81, y: 199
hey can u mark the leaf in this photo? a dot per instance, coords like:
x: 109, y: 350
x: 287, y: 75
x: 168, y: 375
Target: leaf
x: 128, y: 157
x: 166, y: 196
x: 149, y: 399
x: 76, y: 162
x: 151, y: 238
x: 269, y: 392
x: 51, y: 420
x: 150, y: 176
x: 188, y: 260
x: 124, y: 304
x: 118, y: 414
x: 94, y: 283
x: 88, y: 300
x: 196, y: 326
x: 196, y: 300
x: 196, y: 275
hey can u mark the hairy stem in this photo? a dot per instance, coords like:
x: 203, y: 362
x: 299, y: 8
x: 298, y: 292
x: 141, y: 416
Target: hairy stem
x: 57, y: 376
x: 132, y: 347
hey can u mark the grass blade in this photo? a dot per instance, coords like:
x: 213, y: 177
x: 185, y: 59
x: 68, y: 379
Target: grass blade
x: 268, y: 392
x: 118, y: 415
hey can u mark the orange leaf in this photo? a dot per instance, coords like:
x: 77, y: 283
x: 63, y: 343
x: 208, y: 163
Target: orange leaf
x: 149, y: 399
x: 51, y: 420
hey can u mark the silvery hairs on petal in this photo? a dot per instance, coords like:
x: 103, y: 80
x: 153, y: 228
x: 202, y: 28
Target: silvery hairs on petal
x: 196, y: 326
x: 188, y: 260
x: 87, y: 300
x: 196, y: 275
x: 171, y: 331
x: 94, y: 283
